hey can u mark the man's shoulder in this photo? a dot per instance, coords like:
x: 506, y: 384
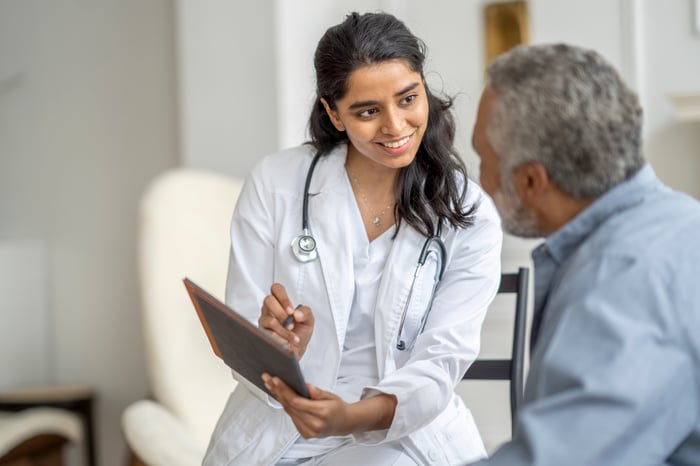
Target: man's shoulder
x: 660, y: 226
x: 643, y: 256
x: 653, y: 241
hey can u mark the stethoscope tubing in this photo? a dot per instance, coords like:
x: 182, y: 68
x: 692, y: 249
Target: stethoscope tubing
x: 304, y: 249
x: 307, y: 186
x: 436, y: 238
x: 425, y: 252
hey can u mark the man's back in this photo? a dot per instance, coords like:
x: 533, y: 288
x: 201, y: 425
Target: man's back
x: 616, y: 361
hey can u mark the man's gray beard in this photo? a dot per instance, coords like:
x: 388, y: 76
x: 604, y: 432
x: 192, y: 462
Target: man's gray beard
x: 515, y: 218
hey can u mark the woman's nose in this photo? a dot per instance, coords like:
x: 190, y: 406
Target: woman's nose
x: 393, y: 123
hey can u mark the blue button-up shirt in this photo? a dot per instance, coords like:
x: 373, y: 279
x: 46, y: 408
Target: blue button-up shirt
x: 615, y: 370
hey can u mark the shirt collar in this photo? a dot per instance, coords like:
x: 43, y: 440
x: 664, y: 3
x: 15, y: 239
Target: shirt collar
x: 564, y: 241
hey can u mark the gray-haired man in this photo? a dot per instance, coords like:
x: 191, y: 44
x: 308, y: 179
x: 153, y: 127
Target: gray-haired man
x: 615, y: 367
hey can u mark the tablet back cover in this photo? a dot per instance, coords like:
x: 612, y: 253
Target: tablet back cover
x: 244, y: 347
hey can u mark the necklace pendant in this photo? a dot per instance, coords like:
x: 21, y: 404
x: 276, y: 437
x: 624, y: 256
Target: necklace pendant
x: 376, y: 221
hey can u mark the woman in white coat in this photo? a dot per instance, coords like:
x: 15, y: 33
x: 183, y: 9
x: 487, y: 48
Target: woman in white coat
x: 380, y: 344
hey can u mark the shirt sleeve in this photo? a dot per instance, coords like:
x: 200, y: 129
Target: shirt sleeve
x: 611, y: 378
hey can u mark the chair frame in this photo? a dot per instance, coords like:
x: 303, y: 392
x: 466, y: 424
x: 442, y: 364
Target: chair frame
x: 509, y: 369
x: 41, y: 449
x: 79, y: 400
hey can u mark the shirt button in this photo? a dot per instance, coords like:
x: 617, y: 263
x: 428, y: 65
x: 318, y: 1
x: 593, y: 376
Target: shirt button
x: 432, y: 454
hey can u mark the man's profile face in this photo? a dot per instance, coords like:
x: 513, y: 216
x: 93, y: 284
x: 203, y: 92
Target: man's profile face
x: 515, y: 218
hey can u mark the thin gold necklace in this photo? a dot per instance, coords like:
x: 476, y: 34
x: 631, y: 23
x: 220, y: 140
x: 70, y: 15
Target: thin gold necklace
x: 377, y: 220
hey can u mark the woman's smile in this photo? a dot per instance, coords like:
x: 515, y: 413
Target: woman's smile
x: 397, y: 147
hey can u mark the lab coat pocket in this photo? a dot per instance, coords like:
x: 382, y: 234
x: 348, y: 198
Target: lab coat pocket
x: 238, y: 427
x: 459, y: 439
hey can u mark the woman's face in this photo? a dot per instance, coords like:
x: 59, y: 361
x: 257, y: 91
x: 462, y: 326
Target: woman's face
x: 384, y: 113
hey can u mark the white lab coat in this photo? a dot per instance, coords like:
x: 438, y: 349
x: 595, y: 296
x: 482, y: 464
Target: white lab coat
x: 431, y: 422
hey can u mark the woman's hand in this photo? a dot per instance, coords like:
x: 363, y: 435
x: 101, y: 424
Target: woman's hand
x: 326, y: 414
x: 276, y: 309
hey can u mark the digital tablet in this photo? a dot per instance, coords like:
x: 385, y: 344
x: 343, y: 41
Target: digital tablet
x: 244, y: 347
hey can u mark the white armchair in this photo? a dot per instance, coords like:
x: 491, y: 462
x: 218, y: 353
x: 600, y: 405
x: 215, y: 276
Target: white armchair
x: 183, y: 231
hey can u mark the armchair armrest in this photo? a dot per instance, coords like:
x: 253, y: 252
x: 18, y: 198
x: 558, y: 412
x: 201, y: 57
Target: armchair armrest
x: 158, y: 438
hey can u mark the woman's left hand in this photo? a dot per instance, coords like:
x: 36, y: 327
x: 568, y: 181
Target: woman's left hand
x: 326, y: 414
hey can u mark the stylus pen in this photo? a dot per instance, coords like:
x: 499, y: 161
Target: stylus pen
x: 290, y: 318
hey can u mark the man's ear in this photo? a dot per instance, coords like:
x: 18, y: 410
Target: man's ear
x: 333, y: 116
x: 532, y: 183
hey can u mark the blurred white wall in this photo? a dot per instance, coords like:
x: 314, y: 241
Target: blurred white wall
x: 87, y: 118
x: 226, y: 83
x: 98, y: 97
x: 670, y: 45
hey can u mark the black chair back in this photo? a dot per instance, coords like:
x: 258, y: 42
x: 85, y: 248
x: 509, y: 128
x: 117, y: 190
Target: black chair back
x: 509, y: 369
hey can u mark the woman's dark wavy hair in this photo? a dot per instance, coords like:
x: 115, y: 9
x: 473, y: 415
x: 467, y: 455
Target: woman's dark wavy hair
x: 434, y: 185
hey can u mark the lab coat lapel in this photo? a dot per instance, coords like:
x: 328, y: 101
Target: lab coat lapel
x: 393, y: 292
x: 330, y: 222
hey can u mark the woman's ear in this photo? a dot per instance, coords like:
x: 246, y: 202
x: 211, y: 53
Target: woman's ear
x: 333, y: 116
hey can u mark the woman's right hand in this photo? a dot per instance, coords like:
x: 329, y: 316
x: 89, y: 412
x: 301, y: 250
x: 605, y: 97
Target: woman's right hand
x: 275, y: 310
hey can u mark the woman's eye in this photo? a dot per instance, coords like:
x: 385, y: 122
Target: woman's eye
x: 408, y: 99
x: 368, y: 113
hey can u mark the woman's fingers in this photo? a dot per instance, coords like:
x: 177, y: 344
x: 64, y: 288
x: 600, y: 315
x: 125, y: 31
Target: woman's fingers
x: 280, y: 294
x: 275, y: 311
x: 315, y: 417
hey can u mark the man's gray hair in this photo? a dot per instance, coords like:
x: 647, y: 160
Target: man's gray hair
x: 567, y: 109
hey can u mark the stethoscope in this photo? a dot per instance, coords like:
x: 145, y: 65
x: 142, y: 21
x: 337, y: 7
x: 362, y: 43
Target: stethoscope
x: 304, y: 245
x: 304, y: 249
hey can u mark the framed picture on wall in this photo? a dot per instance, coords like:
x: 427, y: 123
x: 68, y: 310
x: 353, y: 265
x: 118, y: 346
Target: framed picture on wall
x: 505, y: 26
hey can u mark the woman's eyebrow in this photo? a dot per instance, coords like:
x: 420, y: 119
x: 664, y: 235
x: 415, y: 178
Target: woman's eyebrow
x: 369, y: 103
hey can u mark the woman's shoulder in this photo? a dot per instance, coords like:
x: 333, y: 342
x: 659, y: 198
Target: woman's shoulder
x: 288, y: 168
x: 485, y: 215
x: 282, y: 168
x: 286, y: 159
x: 476, y: 198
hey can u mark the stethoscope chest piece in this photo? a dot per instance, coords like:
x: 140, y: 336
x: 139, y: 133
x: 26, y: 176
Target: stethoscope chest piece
x: 304, y: 247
